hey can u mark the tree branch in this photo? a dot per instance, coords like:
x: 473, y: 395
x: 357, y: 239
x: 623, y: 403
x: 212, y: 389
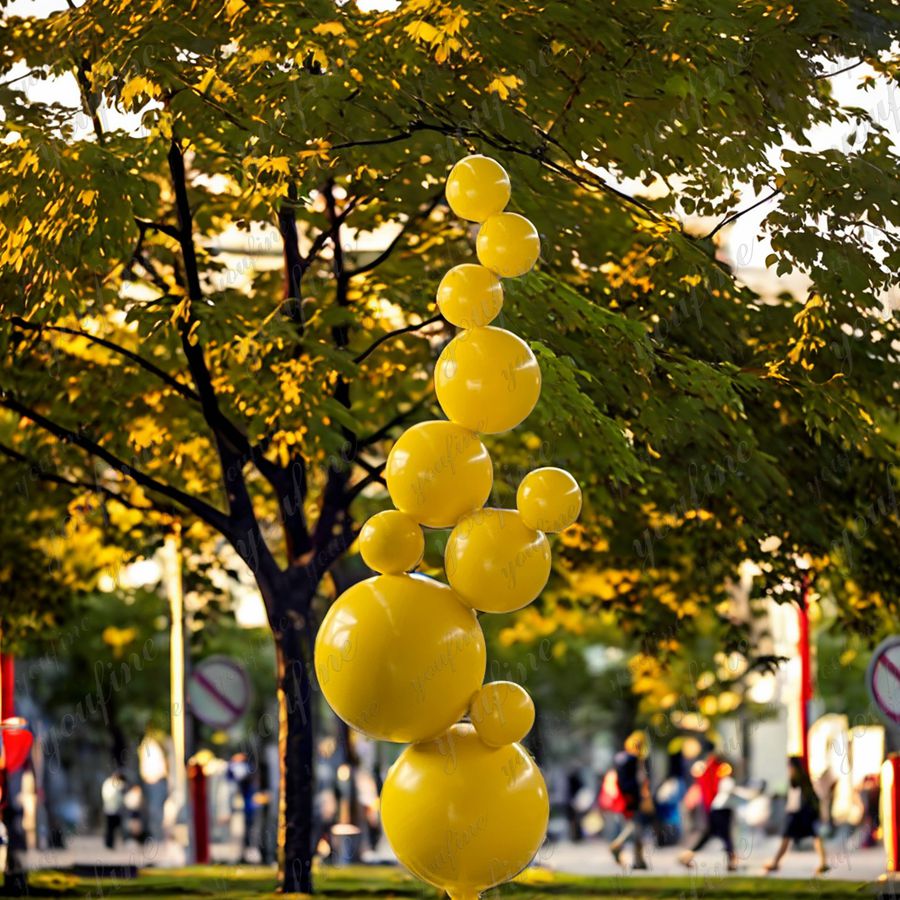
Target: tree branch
x: 395, y: 333
x: 731, y: 218
x: 849, y: 68
x: 385, y: 429
x: 356, y: 489
x: 233, y: 447
x: 143, y: 362
x: 199, y: 508
x: 423, y: 213
x: 39, y: 472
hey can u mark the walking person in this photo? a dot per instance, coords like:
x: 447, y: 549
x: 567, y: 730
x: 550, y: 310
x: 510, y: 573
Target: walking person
x: 720, y: 819
x: 637, y: 802
x: 112, y: 793
x: 803, y: 818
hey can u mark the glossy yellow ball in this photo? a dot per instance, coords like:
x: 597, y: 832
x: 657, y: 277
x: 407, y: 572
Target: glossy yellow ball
x: 549, y: 499
x: 477, y: 187
x: 437, y: 472
x: 508, y: 244
x: 487, y: 380
x: 470, y: 296
x: 391, y: 542
x: 464, y: 816
x: 398, y: 657
x: 502, y: 713
x: 494, y: 562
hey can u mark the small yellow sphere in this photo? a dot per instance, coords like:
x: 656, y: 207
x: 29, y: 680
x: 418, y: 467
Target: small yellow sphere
x: 398, y: 657
x: 437, y: 472
x: 508, y: 244
x: 464, y: 816
x: 494, y: 562
x: 502, y: 713
x: 549, y: 499
x: 487, y: 379
x: 391, y: 542
x: 470, y: 296
x: 477, y: 187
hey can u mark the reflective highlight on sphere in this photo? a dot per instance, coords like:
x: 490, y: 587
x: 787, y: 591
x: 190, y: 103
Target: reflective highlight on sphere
x: 494, y: 562
x: 549, y: 499
x: 437, y: 472
x: 391, y: 542
x: 470, y: 296
x: 487, y: 380
x: 398, y: 657
x: 502, y: 713
x: 477, y: 188
x: 508, y: 244
x: 464, y: 816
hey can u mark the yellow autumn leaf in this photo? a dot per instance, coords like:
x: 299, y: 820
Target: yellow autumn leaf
x: 503, y: 84
x: 135, y: 87
x: 334, y: 28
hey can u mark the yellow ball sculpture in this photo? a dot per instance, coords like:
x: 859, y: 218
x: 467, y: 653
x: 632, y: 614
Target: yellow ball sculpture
x: 477, y: 188
x: 487, y: 380
x: 470, y: 296
x: 508, y: 244
x: 398, y: 657
x: 502, y: 712
x: 549, y: 499
x: 391, y: 542
x: 495, y: 562
x: 437, y: 472
x: 401, y: 657
x: 464, y: 816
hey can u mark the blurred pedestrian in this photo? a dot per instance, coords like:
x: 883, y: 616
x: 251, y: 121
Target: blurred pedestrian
x: 803, y: 819
x: 720, y: 819
x: 668, y: 798
x: 132, y: 813
x: 633, y: 780
x: 574, y: 784
x: 112, y: 793
x: 243, y: 774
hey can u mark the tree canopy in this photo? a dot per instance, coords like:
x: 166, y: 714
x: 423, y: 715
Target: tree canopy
x: 159, y: 365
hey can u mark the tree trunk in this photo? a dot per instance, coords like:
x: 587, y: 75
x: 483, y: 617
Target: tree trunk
x: 15, y: 878
x: 296, y: 746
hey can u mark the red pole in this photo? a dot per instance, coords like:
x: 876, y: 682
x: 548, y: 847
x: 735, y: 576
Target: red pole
x: 7, y: 693
x: 890, y: 811
x: 806, y: 681
x: 197, y: 787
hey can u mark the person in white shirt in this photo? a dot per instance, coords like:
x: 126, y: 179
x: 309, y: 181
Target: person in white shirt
x: 112, y: 792
x: 721, y: 818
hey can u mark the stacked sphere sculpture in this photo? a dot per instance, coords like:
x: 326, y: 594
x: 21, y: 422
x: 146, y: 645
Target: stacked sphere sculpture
x: 400, y: 656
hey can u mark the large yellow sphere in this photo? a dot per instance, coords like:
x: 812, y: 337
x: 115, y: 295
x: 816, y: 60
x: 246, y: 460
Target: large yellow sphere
x: 477, y: 187
x: 470, y: 296
x: 549, y: 499
x: 508, y: 244
x: 437, y: 472
x: 487, y: 379
x: 398, y: 657
x: 391, y: 542
x: 502, y: 713
x: 464, y: 816
x: 495, y: 562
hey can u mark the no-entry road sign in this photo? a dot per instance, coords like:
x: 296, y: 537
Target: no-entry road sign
x: 883, y: 679
x: 218, y: 691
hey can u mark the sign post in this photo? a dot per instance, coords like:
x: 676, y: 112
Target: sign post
x: 883, y: 681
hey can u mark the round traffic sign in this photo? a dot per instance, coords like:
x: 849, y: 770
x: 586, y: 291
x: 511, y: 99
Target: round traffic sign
x: 883, y: 678
x: 218, y: 691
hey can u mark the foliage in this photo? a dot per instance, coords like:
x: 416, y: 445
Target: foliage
x: 158, y: 366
